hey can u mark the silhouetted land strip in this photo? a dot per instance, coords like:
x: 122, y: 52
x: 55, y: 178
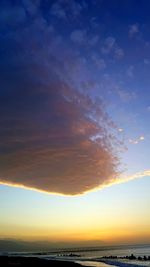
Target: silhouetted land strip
x: 6, y: 261
x: 21, y: 261
x: 131, y: 257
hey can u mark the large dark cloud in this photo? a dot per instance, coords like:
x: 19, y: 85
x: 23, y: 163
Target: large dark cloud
x: 53, y: 135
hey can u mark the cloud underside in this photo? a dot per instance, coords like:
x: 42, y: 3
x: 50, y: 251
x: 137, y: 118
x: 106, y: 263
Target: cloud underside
x: 54, y: 136
x: 48, y: 141
x: 67, y: 171
x: 114, y: 181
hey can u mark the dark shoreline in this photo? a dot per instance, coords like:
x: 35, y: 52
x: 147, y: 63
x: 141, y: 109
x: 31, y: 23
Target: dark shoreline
x: 23, y: 261
x: 13, y: 261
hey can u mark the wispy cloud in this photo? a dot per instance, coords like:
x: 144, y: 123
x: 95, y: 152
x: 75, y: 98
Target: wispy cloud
x: 125, y: 95
x: 65, y: 10
x: 108, y: 45
x: 78, y: 36
x: 119, y: 53
x: 133, y: 30
x: 137, y: 140
x: 130, y: 71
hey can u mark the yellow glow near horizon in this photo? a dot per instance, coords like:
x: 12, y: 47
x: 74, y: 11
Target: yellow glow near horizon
x: 105, y: 234
x: 115, y: 215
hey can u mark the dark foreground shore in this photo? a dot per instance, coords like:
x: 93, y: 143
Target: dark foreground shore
x: 6, y: 261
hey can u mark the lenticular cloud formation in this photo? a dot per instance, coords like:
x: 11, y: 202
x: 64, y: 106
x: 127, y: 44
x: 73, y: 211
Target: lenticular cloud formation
x: 54, y: 136
x: 50, y: 139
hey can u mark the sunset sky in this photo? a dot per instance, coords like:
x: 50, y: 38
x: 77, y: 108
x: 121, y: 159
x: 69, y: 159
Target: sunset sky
x: 75, y: 121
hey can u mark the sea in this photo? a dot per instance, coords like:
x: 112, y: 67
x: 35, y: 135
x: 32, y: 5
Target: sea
x: 97, y: 252
x: 92, y: 256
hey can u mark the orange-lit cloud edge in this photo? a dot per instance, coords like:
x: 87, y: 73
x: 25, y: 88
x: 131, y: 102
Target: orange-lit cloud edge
x: 119, y: 180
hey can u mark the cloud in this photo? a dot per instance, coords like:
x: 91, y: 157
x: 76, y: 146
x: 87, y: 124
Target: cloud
x: 76, y: 7
x: 146, y: 61
x: 64, y: 9
x: 53, y: 136
x: 58, y: 11
x: 133, y: 30
x: 93, y: 40
x: 137, y: 140
x: 125, y: 95
x: 108, y: 45
x: 120, y: 130
x: 31, y: 6
x: 46, y: 137
x: 78, y: 36
x: 99, y: 62
x: 110, y: 41
x: 119, y: 53
x: 130, y: 71
x: 145, y: 173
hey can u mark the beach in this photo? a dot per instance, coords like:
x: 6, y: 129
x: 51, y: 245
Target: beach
x: 6, y: 261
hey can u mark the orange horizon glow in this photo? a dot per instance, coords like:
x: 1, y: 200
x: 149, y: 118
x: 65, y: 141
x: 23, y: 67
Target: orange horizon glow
x: 119, y: 215
x: 110, y: 231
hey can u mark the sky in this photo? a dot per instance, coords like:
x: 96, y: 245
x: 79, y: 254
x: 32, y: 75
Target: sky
x: 74, y: 121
